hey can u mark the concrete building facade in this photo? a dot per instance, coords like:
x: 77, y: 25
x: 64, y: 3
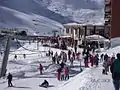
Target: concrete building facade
x: 112, y: 17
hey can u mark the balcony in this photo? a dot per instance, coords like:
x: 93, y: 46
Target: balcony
x: 107, y: 2
x: 107, y: 16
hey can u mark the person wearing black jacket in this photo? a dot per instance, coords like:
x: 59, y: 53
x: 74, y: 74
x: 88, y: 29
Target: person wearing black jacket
x: 115, y: 70
x: 9, y: 77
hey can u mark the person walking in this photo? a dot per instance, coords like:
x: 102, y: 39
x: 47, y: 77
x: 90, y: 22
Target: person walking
x: 115, y: 70
x: 9, y: 77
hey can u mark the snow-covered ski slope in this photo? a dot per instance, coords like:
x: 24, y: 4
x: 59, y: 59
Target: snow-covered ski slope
x: 27, y: 77
x: 10, y: 18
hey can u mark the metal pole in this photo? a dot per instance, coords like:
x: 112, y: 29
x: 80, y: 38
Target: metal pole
x: 5, y: 58
x: 85, y: 31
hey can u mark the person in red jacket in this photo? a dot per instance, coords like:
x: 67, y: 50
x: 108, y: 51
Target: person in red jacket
x: 66, y: 72
x: 59, y: 73
x: 40, y: 68
x: 92, y: 60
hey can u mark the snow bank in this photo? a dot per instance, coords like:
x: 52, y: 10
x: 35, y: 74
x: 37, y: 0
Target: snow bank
x: 115, y: 42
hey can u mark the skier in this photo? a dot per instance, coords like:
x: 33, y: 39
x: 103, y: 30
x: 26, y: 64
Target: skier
x: 44, y: 84
x: 40, y: 68
x: 9, y: 77
x: 66, y: 72
x: 115, y: 70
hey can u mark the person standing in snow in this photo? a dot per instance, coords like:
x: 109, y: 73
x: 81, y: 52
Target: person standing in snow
x: 56, y: 56
x: 59, y: 73
x: 106, y: 67
x: 105, y: 57
x: 115, y: 70
x: 15, y: 56
x: 69, y: 54
x: 92, y: 60
x: 40, y: 68
x: 9, y: 77
x: 112, y: 59
x: 66, y: 72
x: 101, y: 57
x: 24, y: 55
x: 73, y: 55
x: 62, y: 74
x: 96, y: 60
x: 71, y: 60
x: 86, y: 60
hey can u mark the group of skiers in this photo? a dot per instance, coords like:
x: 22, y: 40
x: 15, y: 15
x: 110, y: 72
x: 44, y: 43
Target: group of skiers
x: 63, y: 73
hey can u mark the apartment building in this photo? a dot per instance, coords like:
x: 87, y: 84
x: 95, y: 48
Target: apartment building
x: 112, y: 20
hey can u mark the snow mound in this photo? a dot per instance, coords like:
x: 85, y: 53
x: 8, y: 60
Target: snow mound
x: 19, y: 74
x: 114, y: 50
x: 53, y: 67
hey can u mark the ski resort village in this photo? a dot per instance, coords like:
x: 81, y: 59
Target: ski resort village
x: 59, y: 45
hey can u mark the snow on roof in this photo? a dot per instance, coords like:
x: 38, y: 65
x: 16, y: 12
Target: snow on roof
x: 70, y: 24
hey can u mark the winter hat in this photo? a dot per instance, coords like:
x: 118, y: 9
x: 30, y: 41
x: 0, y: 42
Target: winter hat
x: 118, y: 55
